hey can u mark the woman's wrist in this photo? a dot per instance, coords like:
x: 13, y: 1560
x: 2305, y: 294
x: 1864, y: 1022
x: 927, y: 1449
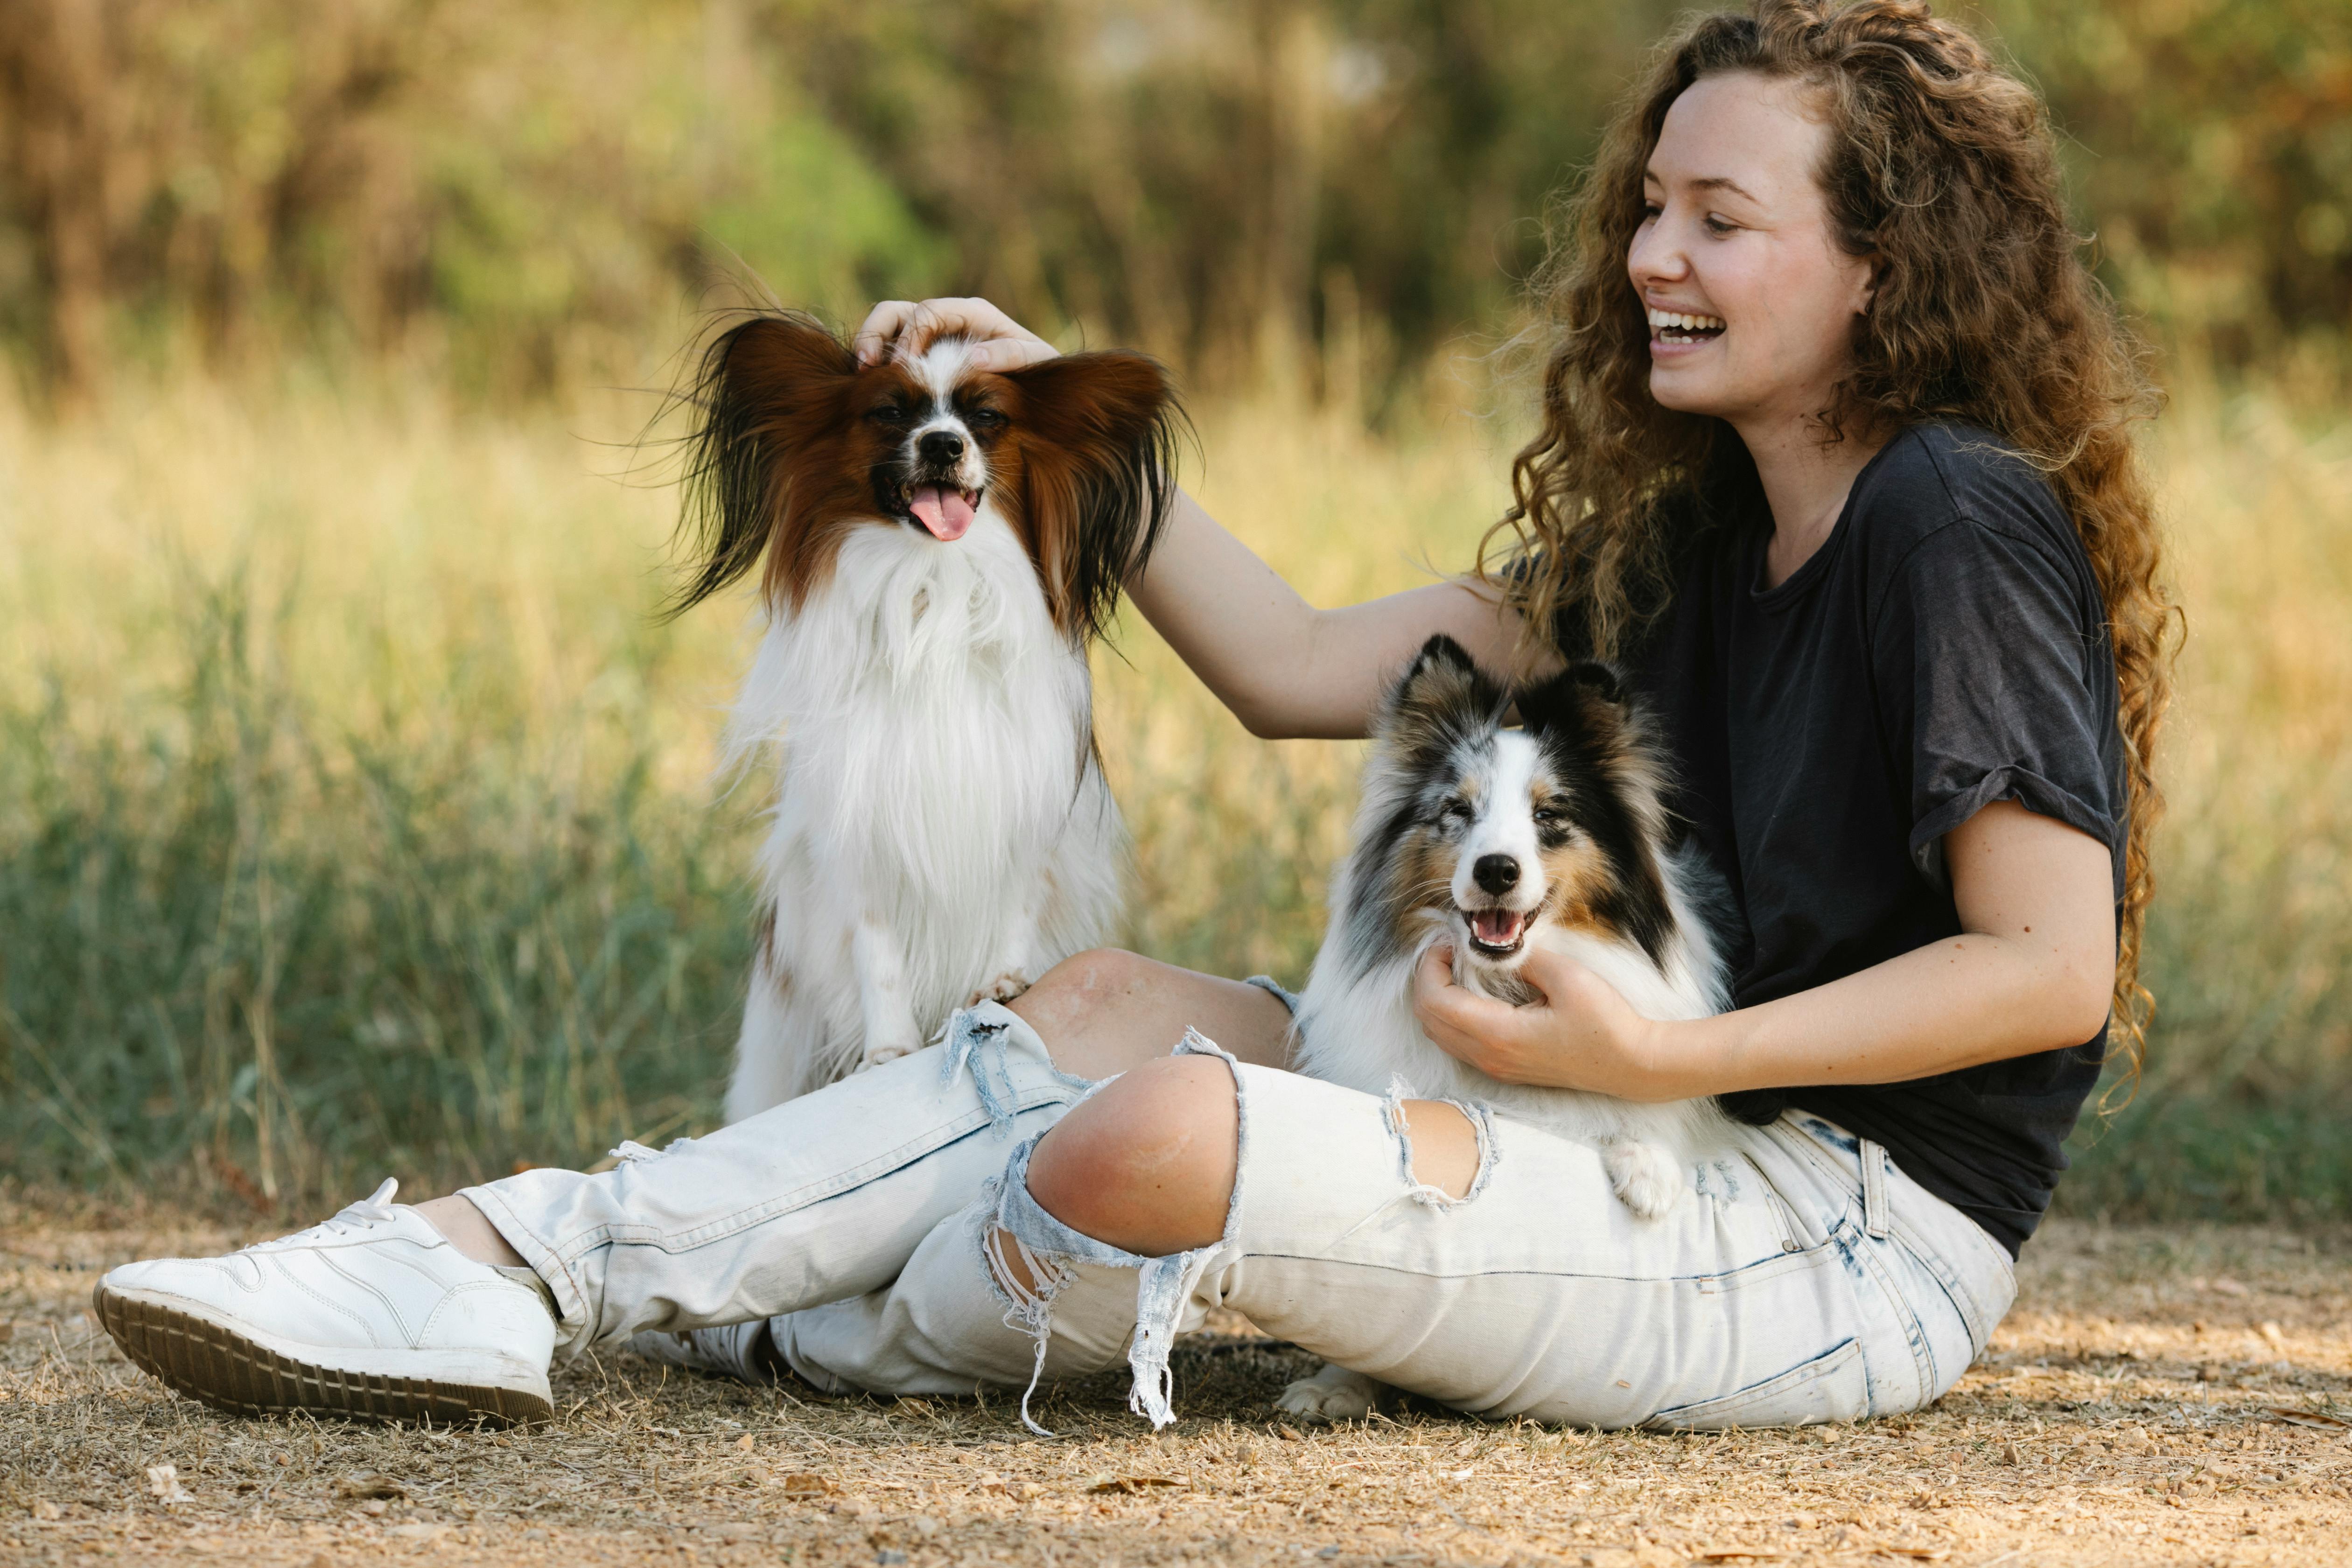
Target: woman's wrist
x: 1664, y: 1062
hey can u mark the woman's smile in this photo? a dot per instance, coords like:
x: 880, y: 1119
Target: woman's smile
x: 1675, y: 333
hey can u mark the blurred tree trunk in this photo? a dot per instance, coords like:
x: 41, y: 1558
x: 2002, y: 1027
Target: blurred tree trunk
x: 63, y: 117
x: 1291, y: 49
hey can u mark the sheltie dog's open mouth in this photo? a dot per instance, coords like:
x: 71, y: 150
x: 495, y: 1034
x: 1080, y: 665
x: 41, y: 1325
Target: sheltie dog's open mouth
x: 943, y: 509
x: 1497, y: 934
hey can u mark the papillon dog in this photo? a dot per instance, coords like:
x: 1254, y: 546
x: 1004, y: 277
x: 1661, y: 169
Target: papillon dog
x: 937, y: 546
x: 1495, y: 840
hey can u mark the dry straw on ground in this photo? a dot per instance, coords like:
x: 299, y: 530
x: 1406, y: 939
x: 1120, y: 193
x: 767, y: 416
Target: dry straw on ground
x: 2157, y: 1397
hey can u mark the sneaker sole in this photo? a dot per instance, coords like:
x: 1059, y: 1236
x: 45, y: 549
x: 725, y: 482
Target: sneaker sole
x: 228, y: 1371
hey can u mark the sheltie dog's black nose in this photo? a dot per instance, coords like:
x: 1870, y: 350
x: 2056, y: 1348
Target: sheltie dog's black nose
x: 940, y: 446
x: 1498, y: 874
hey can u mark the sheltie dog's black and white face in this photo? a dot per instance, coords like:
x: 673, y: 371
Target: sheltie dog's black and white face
x: 1483, y: 832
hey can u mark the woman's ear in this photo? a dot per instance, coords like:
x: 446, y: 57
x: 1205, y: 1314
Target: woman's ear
x: 1098, y: 475
x: 769, y: 394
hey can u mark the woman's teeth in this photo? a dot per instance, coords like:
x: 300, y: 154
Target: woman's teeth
x: 1681, y: 327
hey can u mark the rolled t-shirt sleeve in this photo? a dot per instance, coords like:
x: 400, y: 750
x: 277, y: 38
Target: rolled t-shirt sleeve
x: 1992, y: 667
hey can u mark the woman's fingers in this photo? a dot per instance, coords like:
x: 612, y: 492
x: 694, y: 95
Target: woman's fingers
x: 881, y: 327
x: 1462, y: 1023
x: 907, y: 328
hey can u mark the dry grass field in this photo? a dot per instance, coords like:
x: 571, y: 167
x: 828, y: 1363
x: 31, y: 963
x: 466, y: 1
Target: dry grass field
x: 2158, y: 1396
x: 356, y: 815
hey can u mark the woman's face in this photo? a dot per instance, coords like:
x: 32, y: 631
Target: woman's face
x: 1751, y: 300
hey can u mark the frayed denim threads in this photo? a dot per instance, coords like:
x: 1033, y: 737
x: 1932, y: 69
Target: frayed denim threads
x: 1052, y: 1249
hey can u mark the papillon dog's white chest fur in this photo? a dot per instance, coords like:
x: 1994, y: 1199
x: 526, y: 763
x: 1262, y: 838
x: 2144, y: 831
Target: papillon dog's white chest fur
x: 942, y: 831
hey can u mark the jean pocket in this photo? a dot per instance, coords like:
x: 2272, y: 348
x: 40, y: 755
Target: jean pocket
x: 1833, y: 1386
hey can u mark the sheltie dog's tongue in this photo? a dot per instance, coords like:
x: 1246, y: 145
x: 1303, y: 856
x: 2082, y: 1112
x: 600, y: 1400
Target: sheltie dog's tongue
x: 1496, y: 928
x: 946, y: 512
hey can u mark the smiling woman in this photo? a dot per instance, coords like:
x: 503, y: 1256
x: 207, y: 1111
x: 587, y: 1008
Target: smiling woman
x: 1833, y: 466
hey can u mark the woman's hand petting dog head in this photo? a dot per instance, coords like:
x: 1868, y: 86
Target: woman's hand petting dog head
x: 907, y: 328
x: 1580, y: 1035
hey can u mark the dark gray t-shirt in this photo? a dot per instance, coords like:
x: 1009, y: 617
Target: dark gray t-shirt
x: 1946, y: 647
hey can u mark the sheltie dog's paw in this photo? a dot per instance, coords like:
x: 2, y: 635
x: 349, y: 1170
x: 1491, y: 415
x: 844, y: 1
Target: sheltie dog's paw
x: 1645, y: 1175
x: 1003, y: 988
x: 1334, y: 1393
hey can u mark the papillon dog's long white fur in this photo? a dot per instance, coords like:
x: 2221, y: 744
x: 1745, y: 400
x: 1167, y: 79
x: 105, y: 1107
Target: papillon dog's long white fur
x: 942, y: 830
x: 1495, y: 840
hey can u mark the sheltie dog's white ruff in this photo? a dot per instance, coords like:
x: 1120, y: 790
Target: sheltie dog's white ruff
x: 941, y: 828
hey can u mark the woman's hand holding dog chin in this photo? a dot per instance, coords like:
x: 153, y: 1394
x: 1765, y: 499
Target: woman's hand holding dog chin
x: 999, y: 342
x: 1580, y: 1036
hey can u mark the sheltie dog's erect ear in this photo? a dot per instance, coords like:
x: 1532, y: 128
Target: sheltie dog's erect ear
x: 1097, y: 435
x: 1586, y: 701
x: 766, y: 460
x: 1442, y: 698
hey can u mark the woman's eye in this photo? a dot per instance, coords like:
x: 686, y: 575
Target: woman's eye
x: 1719, y: 227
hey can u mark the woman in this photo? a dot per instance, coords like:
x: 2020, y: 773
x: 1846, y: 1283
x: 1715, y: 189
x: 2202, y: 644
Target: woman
x: 1834, y: 461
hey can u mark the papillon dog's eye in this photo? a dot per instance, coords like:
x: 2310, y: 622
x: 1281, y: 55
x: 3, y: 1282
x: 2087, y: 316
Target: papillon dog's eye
x: 886, y: 414
x: 985, y: 419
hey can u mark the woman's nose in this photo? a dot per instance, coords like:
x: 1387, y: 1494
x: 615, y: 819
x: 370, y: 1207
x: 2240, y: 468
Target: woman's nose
x: 1654, y: 257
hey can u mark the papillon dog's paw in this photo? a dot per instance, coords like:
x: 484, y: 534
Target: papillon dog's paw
x: 880, y: 1051
x: 1003, y: 988
x: 1333, y: 1393
x: 1645, y: 1175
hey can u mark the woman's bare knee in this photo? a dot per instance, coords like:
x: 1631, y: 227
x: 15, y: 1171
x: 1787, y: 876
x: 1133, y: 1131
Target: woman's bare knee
x: 1444, y: 1145
x: 1106, y: 1011
x: 1148, y: 1164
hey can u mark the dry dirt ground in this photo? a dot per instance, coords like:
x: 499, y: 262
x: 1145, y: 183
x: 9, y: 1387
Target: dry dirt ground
x: 2158, y: 1396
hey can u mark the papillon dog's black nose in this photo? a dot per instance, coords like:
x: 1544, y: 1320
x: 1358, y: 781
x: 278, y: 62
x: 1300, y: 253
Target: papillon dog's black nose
x: 1497, y: 874
x: 940, y: 446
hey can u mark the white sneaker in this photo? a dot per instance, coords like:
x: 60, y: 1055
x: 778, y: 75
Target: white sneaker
x: 372, y: 1314
x: 740, y: 1351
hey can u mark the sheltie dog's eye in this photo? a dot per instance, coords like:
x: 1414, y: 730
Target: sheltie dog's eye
x: 1452, y: 813
x: 1546, y: 813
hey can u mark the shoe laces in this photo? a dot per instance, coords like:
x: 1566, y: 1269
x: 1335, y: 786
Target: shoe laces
x: 372, y: 1210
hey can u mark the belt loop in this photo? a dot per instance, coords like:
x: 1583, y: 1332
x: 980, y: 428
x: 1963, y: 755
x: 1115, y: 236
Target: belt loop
x: 1874, y: 1190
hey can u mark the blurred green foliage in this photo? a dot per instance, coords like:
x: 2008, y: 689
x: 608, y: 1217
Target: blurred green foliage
x: 523, y: 190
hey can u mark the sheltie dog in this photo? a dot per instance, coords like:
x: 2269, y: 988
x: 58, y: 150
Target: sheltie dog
x: 1497, y: 840
x: 938, y: 547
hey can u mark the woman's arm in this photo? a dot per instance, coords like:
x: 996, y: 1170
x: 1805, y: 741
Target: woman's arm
x: 2031, y: 971
x: 1286, y: 668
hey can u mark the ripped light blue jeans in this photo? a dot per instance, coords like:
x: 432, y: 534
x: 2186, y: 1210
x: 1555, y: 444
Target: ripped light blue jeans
x: 1806, y: 1279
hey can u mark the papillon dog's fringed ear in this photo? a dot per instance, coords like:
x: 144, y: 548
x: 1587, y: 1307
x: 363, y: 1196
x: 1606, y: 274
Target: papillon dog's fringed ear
x: 1099, y: 484
x: 763, y: 391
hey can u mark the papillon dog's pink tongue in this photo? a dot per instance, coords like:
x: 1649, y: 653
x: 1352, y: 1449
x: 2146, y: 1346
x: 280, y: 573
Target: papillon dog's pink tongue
x: 946, y: 512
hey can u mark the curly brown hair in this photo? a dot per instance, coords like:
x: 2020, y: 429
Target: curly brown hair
x: 1941, y: 168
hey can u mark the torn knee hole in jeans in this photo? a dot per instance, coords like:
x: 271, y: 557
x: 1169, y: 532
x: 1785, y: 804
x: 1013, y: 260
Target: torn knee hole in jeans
x: 1419, y: 1186
x: 1043, y: 1258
